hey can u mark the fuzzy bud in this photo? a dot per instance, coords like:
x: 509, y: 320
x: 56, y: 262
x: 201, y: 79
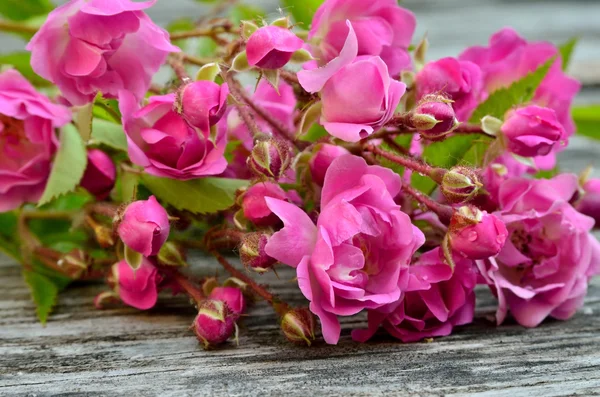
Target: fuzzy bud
x: 270, y: 158
x: 434, y: 117
x: 298, y: 326
x: 252, y: 252
x: 214, y: 324
x: 475, y: 234
x: 460, y: 184
x: 232, y: 296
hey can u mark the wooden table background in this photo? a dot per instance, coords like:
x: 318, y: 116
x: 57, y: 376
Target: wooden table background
x: 82, y: 351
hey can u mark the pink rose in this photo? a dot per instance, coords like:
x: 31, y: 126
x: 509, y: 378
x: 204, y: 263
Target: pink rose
x: 100, y: 174
x: 271, y: 47
x: 382, y: 28
x: 357, y: 94
x: 356, y: 255
x: 203, y: 103
x: 233, y: 297
x: 532, y: 131
x: 545, y: 265
x: 436, y: 300
x: 137, y: 288
x: 322, y: 159
x: 255, y: 207
x: 145, y: 226
x: 590, y: 202
x: 165, y: 144
x: 460, y: 80
x: 27, y: 140
x: 509, y: 58
x: 475, y: 234
x: 503, y: 168
x: 86, y: 46
x: 280, y: 105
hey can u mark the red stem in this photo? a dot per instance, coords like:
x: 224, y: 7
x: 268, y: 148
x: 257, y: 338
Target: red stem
x: 192, y: 290
x: 415, y: 165
x: 444, y: 212
x: 247, y: 118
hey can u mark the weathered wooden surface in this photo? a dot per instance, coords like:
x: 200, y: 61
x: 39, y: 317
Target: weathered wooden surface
x: 125, y: 352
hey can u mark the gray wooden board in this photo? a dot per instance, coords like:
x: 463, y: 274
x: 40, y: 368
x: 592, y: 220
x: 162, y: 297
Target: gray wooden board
x: 126, y: 352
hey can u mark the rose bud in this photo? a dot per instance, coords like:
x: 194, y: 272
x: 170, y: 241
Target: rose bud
x: 270, y: 158
x: 137, y: 288
x: 357, y: 93
x: 434, y: 117
x: 532, y: 131
x: 475, y: 234
x: 86, y: 47
x: 214, y: 324
x: 233, y: 297
x: 255, y: 208
x: 589, y: 204
x: 271, y: 47
x: 252, y: 252
x: 202, y: 103
x: 322, y: 159
x: 100, y: 173
x: 298, y: 326
x: 145, y: 226
x: 460, y: 184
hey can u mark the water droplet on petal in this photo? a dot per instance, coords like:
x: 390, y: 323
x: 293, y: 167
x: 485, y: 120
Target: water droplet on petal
x: 472, y: 236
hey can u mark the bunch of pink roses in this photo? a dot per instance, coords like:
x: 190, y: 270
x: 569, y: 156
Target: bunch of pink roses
x: 393, y: 186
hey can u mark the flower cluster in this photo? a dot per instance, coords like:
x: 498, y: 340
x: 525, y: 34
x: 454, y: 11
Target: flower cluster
x: 390, y: 186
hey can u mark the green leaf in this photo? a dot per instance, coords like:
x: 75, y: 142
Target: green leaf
x: 21, y: 61
x: 109, y: 134
x: 200, y: 196
x: 44, y: 293
x: 69, y: 165
x: 519, y: 92
x: 315, y: 133
x: 9, y: 243
x: 245, y: 12
x: 302, y: 10
x: 566, y: 51
x: 20, y: 10
x: 587, y: 120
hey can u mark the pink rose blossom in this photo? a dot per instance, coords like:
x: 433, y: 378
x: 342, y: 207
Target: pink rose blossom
x: 475, y: 234
x: 461, y: 81
x: 255, y: 207
x: 280, y: 105
x: 590, y: 202
x: 545, y: 265
x: 145, y: 226
x: 357, y: 93
x: 271, y: 47
x: 532, y: 131
x: 162, y: 142
x: 137, y: 288
x: 509, y: 58
x: 322, y: 159
x: 100, y: 174
x: 502, y: 168
x: 86, y: 46
x: 437, y: 299
x: 27, y: 140
x: 203, y: 103
x: 355, y: 257
x: 233, y: 297
x: 382, y: 28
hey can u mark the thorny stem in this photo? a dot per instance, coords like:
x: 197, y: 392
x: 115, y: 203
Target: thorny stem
x: 279, y: 306
x: 444, y: 212
x: 289, y: 77
x: 395, y: 146
x: 185, y: 283
x: 211, y: 32
x: 247, y: 118
x: 178, y: 68
x: 408, y: 162
x: 196, y: 60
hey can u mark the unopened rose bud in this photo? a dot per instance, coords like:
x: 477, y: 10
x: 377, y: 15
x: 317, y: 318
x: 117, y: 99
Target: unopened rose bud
x: 270, y: 158
x: 214, y: 324
x: 460, y: 184
x: 145, y: 226
x: 322, y: 159
x: 233, y: 297
x: 589, y: 204
x: 137, y: 288
x: 434, y: 117
x: 475, y: 234
x: 298, y: 326
x: 252, y: 252
x: 202, y: 103
x: 532, y: 131
x: 100, y: 174
x: 271, y: 47
x: 255, y: 207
